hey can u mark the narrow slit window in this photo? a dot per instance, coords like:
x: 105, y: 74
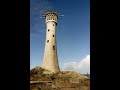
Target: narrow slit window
x: 53, y: 24
x: 53, y: 35
x: 48, y: 30
x: 47, y: 41
x: 53, y: 47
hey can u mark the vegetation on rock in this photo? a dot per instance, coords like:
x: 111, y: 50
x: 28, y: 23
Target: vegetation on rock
x: 64, y: 80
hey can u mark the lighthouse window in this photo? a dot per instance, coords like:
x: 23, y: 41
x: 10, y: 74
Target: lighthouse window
x: 53, y: 47
x: 48, y: 30
x: 53, y: 35
x: 53, y: 24
x: 47, y: 41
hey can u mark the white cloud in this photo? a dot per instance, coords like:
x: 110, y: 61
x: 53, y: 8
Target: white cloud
x: 83, y: 66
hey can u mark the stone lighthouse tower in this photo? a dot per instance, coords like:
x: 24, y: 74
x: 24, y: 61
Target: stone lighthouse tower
x: 50, y: 60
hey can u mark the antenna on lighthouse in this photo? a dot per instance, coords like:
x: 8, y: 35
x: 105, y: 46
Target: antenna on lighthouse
x: 50, y: 11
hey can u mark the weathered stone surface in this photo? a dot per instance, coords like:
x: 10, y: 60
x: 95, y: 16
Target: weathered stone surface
x: 50, y: 60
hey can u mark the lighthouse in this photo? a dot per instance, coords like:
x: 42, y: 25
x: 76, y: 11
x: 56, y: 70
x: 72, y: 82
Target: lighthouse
x: 50, y: 59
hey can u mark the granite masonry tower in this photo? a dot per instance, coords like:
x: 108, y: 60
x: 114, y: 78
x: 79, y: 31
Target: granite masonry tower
x: 50, y: 59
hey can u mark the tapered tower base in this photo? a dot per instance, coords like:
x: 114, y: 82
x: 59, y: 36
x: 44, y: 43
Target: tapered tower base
x: 50, y: 60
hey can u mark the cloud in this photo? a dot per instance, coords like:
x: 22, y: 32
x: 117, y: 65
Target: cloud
x: 83, y: 66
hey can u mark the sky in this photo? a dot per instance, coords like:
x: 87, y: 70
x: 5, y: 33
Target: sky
x: 72, y: 33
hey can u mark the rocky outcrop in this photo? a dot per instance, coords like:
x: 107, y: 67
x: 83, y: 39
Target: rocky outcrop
x: 64, y: 80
